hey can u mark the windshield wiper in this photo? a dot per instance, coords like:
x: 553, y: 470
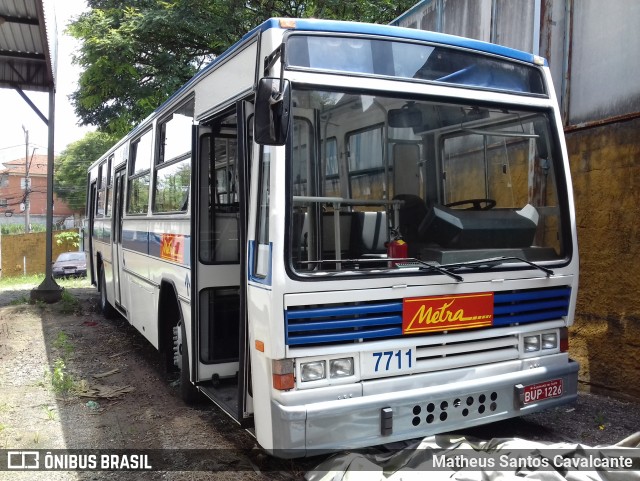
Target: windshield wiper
x: 436, y: 268
x: 404, y: 261
x: 495, y: 261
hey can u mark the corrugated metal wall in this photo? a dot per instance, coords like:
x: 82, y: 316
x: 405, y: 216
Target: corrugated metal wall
x: 605, y: 60
x: 595, y: 67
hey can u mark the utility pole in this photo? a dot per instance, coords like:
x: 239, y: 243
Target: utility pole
x: 26, y: 180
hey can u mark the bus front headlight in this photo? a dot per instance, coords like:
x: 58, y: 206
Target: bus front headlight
x: 549, y: 340
x: 531, y: 343
x: 312, y: 371
x: 341, y: 367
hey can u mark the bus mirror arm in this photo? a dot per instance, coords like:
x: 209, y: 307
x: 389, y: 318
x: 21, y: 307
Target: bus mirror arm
x: 272, y: 111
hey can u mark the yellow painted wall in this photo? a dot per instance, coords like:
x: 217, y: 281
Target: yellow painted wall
x: 605, y: 165
x: 16, y: 247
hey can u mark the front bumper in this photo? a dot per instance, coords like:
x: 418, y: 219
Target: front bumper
x: 69, y: 273
x: 357, y: 422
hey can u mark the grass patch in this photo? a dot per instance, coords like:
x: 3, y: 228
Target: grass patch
x: 62, y: 343
x: 74, y: 282
x: 33, y: 281
x: 20, y: 300
x: 49, y: 412
x: 69, y: 304
x: 21, y: 281
x: 61, y: 380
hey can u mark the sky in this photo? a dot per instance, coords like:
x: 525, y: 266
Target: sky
x: 17, y: 113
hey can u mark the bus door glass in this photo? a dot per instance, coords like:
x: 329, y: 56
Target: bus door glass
x: 216, y: 270
x: 92, y: 217
x: 118, y: 195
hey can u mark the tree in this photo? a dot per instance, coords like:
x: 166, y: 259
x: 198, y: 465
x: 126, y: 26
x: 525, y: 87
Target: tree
x: 135, y: 53
x: 70, y: 171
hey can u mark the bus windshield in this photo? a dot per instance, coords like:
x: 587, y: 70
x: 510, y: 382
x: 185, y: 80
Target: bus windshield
x: 411, y: 61
x: 455, y: 182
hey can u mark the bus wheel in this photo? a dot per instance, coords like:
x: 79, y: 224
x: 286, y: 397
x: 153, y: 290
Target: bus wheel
x: 107, y: 309
x: 188, y: 392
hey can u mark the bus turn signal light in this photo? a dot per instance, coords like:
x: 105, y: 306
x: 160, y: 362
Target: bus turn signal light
x: 283, y: 377
x: 283, y: 382
x: 564, y: 339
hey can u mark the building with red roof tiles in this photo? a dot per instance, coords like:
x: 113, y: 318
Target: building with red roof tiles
x: 15, y: 189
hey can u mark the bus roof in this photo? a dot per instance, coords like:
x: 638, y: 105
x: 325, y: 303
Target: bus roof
x: 336, y: 26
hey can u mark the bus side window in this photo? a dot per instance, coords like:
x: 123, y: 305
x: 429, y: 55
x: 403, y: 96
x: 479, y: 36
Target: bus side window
x: 173, y: 165
x: 139, y: 174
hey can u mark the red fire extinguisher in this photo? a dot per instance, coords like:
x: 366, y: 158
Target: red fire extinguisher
x: 397, y: 248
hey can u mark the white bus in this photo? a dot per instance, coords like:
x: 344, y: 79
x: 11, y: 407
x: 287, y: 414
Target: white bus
x: 346, y: 235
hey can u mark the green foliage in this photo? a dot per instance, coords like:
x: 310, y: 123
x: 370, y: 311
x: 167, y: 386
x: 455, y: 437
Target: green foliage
x: 49, y: 412
x: 62, y: 342
x: 19, y: 301
x: 34, y: 280
x: 69, y: 304
x: 70, y: 239
x: 70, y: 172
x: 61, y: 380
x: 20, y: 281
x: 9, y: 229
x: 135, y: 53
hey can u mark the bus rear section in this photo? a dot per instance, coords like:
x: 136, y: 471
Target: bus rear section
x: 412, y: 264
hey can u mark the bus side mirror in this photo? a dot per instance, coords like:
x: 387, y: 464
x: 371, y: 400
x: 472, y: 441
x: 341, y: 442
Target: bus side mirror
x: 272, y: 111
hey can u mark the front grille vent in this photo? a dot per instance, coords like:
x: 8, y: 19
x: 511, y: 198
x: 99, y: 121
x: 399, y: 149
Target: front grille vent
x: 343, y: 323
x: 367, y: 321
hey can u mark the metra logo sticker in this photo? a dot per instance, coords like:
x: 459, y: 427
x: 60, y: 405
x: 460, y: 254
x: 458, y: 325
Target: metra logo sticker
x: 172, y: 247
x: 447, y: 313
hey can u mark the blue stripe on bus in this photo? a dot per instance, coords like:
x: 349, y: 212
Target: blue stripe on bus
x: 150, y: 244
x: 136, y: 240
x: 346, y: 323
x: 306, y: 325
x: 534, y: 294
x: 341, y: 337
x: 534, y: 305
x: 345, y: 311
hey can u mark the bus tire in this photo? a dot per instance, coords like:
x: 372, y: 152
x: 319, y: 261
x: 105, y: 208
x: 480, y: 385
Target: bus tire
x: 107, y: 309
x: 188, y: 392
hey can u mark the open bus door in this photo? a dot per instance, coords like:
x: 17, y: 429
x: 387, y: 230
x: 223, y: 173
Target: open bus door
x: 218, y: 267
x: 118, y: 205
x: 91, y: 203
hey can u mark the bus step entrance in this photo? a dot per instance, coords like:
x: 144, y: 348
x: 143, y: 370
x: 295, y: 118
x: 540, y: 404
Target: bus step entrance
x: 224, y: 394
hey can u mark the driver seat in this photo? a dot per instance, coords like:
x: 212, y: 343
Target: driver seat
x: 412, y: 213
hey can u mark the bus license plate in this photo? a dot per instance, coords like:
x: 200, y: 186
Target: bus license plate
x: 388, y: 362
x: 544, y: 390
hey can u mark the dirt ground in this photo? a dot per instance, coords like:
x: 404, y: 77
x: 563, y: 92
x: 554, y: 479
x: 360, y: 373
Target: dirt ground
x: 50, y: 398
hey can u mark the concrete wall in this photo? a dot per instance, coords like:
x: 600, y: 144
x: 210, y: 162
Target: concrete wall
x: 605, y: 167
x: 17, y: 248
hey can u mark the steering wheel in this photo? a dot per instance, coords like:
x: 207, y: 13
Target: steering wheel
x: 475, y: 204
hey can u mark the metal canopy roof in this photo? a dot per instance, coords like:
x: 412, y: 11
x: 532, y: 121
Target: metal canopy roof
x: 28, y: 44
x: 28, y: 53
